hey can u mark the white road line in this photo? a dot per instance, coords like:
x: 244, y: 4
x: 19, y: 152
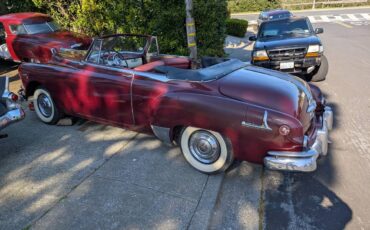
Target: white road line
x: 312, y: 19
x: 352, y: 17
x: 325, y: 18
x: 366, y: 16
x: 339, y: 18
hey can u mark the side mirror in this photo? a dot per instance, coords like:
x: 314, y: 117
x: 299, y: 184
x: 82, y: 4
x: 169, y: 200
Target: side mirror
x: 252, y: 38
x: 319, y: 30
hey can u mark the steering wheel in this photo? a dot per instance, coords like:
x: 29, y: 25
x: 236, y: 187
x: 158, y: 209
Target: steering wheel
x: 117, y: 59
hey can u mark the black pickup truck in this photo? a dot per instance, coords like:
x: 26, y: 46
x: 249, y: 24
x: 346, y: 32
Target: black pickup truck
x: 290, y: 45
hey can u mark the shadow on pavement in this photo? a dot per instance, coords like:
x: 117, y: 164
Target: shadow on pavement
x: 304, y: 200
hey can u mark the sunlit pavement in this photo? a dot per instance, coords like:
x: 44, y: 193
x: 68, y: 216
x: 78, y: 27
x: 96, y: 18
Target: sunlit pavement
x: 90, y: 176
x: 337, y: 195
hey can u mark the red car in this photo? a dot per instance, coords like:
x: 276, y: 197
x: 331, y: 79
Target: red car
x: 223, y: 111
x: 30, y: 37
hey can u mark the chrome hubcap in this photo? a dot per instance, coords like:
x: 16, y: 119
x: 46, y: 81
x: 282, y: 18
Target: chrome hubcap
x: 204, y: 147
x: 45, y: 105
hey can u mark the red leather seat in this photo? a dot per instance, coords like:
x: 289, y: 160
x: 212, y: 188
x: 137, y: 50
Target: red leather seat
x: 149, y: 66
x: 180, y: 62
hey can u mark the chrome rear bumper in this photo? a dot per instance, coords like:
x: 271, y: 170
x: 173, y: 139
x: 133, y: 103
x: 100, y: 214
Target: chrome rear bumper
x: 304, y: 161
x: 11, y: 116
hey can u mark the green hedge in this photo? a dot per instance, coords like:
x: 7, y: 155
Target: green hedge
x: 163, y: 18
x: 236, y: 27
x: 252, y: 5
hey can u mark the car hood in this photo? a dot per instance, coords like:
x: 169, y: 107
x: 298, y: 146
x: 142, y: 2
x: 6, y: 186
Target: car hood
x: 287, y: 41
x: 267, y: 88
x: 58, y: 39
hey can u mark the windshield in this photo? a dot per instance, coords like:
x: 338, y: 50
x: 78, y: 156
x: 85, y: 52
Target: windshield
x: 45, y: 27
x: 279, y: 16
x: 284, y: 27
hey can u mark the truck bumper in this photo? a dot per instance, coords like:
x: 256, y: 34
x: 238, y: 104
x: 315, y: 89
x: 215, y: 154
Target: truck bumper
x: 304, y: 161
x: 11, y: 116
x: 301, y: 66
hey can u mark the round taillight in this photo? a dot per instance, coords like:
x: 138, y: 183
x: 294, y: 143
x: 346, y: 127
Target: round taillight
x: 14, y: 97
x: 284, y: 130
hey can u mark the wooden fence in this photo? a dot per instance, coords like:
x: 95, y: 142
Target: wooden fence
x: 304, y: 4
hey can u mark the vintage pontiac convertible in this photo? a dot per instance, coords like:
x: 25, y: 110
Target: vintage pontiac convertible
x: 223, y: 111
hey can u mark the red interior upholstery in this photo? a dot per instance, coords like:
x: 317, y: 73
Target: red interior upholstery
x: 180, y: 62
x: 149, y: 66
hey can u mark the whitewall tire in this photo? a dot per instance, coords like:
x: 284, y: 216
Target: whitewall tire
x: 206, y: 150
x: 45, y: 107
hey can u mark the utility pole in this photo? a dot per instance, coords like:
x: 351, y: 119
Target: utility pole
x: 313, y: 4
x: 190, y: 33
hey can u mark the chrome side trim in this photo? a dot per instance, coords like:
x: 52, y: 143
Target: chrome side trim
x: 162, y: 133
x: 328, y: 117
x: 263, y: 126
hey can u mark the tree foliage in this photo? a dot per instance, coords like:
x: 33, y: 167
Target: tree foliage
x: 252, y: 5
x: 163, y: 18
x: 13, y: 6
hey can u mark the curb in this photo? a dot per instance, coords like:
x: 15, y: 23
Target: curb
x: 204, y: 211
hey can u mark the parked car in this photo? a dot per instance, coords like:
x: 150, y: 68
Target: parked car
x: 10, y: 110
x: 225, y: 110
x: 291, y: 45
x: 30, y: 37
x: 273, y: 15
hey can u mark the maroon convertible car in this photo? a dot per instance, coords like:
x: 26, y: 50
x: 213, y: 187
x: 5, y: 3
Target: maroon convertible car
x: 223, y: 111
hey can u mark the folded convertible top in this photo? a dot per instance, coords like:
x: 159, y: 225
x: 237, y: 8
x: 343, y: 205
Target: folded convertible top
x: 206, y: 74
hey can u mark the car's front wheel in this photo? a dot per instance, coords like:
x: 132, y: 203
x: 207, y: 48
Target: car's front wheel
x: 206, y: 150
x: 45, y: 107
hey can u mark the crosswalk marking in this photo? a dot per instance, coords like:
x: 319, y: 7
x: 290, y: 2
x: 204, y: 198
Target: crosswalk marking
x: 358, y: 17
x: 341, y: 18
x: 352, y: 17
x: 366, y: 16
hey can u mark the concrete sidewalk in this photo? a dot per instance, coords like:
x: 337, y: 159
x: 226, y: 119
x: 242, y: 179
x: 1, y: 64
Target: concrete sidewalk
x: 98, y: 177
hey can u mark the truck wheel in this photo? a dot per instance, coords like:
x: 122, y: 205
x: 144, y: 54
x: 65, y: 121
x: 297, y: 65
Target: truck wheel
x: 320, y: 73
x: 45, y: 107
x: 206, y: 150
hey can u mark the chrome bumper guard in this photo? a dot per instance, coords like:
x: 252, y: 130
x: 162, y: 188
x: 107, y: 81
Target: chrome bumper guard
x: 11, y: 116
x: 304, y: 161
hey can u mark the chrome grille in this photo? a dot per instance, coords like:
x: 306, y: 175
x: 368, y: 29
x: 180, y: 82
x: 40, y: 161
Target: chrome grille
x: 286, y: 53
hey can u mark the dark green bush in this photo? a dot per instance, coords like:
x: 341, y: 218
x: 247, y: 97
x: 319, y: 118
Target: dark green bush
x: 252, y: 5
x: 236, y: 27
x: 163, y: 18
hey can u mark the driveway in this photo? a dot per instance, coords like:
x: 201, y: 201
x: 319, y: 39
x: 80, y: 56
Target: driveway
x: 90, y: 176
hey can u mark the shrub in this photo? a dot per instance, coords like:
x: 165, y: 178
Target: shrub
x: 252, y: 5
x: 236, y: 27
x: 163, y: 18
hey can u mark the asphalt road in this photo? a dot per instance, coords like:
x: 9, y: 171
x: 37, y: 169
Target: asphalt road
x: 93, y: 176
x: 334, y: 11
x: 337, y: 195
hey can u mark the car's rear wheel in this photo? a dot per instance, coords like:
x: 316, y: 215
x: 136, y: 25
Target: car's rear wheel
x: 319, y: 74
x: 45, y: 107
x: 206, y: 150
